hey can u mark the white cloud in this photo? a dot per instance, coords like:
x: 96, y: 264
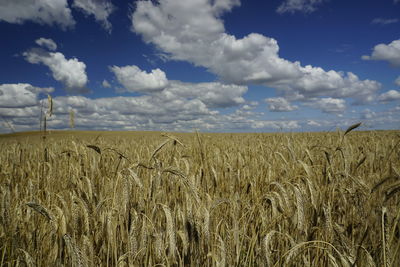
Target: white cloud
x: 136, y: 80
x: 251, y: 60
x: 390, y: 118
x: 367, y: 114
x: 305, y: 6
x: 279, y: 104
x: 154, y: 107
x: 106, y: 84
x: 328, y: 105
x: 124, y: 113
x: 71, y: 72
x: 244, y: 112
x: 397, y: 81
x: 212, y: 94
x: 284, y: 125
x: 158, y: 112
x: 53, y: 12
x: 247, y: 107
x: 318, y: 82
x: 313, y: 123
x: 100, y: 9
x: 389, y: 53
x: 47, y: 43
x: 32, y: 113
x: 39, y: 11
x: 383, y: 21
x: 20, y: 95
x: 383, y: 119
x: 177, y: 108
x: 253, y: 103
x: 193, y: 31
x: 391, y: 95
x: 220, y: 6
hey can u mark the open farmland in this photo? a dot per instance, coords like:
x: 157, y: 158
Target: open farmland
x: 131, y: 199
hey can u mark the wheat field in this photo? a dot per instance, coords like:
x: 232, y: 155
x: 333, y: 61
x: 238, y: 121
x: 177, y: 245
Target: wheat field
x: 154, y: 199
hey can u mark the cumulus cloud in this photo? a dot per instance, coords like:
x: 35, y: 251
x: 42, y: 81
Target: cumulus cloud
x: 177, y: 108
x: 391, y: 95
x: 71, y: 72
x: 47, y: 43
x: 193, y: 31
x: 317, y: 82
x: 313, y: 123
x: 158, y: 112
x: 135, y: 80
x: 390, y: 118
x: 55, y: 12
x: 106, y: 84
x: 247, y: 107
x: 27, y: 116
x: 284, y: 125
x: 305, y: 6
x: 389, y: 53
x: 100, y: 9
x: 124, y: 113
x: 382, y: 21
x: 155, y: 112
x: 279, y: 104
x: 20, y: 95
x: 397, y: 81
x: 371, y: 119
x: 367, y: 114
x: 48, y: 12
x: 154, y: 107
x: 212, y: 94
x: 328, y: 105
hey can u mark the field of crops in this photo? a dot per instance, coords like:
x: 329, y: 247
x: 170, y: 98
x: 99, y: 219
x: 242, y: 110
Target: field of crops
x: 147, y: 199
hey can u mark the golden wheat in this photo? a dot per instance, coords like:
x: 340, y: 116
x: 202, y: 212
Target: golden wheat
x: 146, y: 199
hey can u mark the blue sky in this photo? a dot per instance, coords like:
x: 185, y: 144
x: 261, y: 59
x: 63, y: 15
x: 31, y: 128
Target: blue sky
x: 218, y: 66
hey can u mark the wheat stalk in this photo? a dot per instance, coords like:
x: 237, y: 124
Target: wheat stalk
x: 170, y: 231
x: 40, y: 209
